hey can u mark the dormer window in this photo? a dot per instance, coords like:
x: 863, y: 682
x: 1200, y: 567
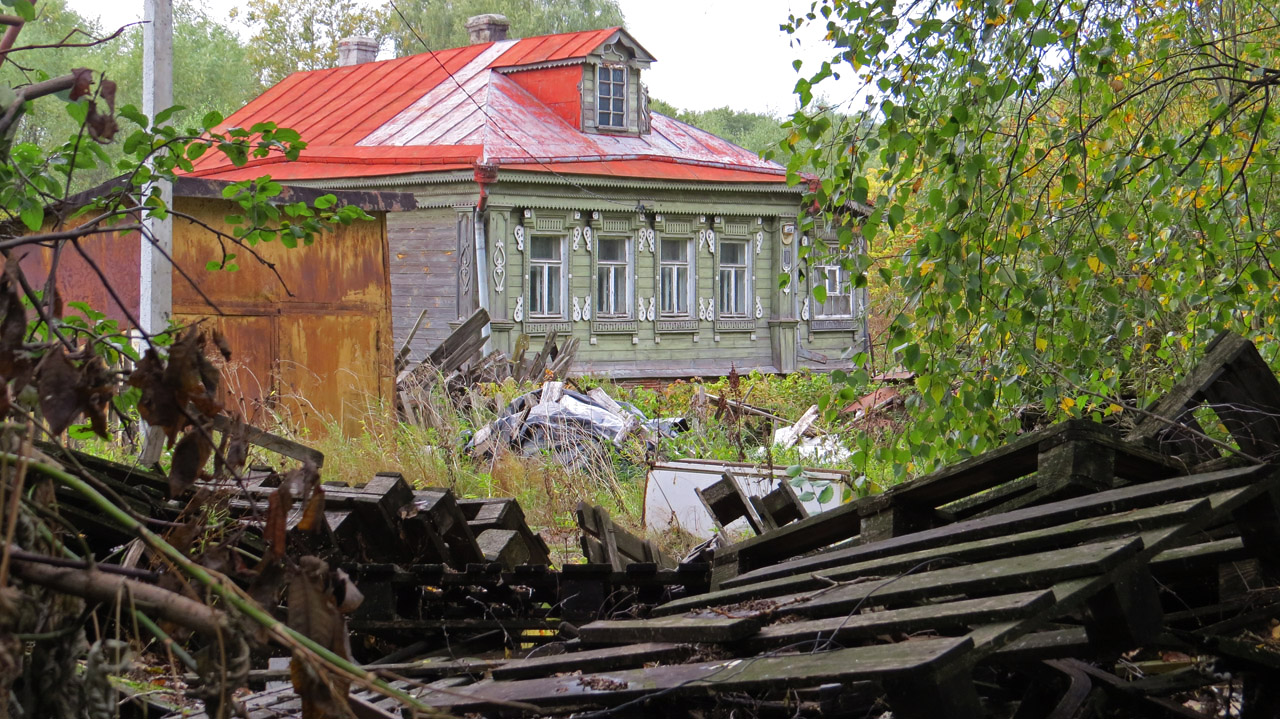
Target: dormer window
x: 611, y: 97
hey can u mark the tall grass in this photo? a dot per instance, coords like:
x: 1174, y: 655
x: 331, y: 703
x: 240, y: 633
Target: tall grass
x: 428, y: 448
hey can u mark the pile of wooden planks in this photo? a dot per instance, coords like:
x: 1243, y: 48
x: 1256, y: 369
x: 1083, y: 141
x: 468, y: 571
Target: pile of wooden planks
x: 1076, y: 572
x: 460, y: 363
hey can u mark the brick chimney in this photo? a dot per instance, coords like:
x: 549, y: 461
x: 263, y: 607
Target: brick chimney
x: 356, y: 50
x: 487, y: 28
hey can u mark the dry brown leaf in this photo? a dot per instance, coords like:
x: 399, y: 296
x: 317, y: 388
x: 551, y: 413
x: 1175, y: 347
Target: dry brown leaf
x: 237, y: 452
x: 13, y: 326
x: 224, y: 348
x: 313, y: 513
x: 102, y: 126
x: 82, y: 81
x: 189, y: 458
x: 313, y: 611
x: 94, y: 390
x: 275, y: 532
x: 57, y: 383
x: 157, y: 406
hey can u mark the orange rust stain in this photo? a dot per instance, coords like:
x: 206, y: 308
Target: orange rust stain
x: 308, y: 342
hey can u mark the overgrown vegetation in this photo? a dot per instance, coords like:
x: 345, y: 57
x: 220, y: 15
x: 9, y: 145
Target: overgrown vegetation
x: 1069, y: 196
x: 430, y: 453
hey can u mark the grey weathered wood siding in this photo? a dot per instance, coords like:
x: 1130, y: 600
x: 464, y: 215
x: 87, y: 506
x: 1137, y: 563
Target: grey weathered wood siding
x: 424, y: 275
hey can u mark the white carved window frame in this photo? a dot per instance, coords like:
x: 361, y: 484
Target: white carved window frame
x: 690, y: 265
x: 747, y: 268
x: 530, y: 263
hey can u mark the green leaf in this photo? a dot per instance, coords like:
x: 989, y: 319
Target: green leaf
x: 25, y: 9
x: 324, y: 202
x: 1042, y: 37
x: 827, y: 493
x: 33, y: 216
x: 163, y: 116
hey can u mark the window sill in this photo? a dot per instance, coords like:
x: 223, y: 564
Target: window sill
x: 619, y: 325
x: 735, y: 324
x: 677, y: 325
x: 546, y: 325
x: 831, y: 324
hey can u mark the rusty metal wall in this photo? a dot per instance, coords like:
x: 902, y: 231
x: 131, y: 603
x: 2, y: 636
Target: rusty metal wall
x: 314, y: 341
x: 311, y: 344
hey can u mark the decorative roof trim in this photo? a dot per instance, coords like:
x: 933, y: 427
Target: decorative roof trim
x: 648, y: 205
x: 538, y: 65
x: 548, y: 178
x: 417, y: 178
x: 549, y: 162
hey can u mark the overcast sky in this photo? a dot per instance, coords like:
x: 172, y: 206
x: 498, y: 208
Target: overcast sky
x: 711, y: 53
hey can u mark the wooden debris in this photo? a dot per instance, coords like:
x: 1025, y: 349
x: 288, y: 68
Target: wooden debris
x: 605, y: 543
x: 459, y: 363
x: 1007, y: 586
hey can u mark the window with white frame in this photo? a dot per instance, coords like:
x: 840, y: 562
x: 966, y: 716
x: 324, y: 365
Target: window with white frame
x: 835, y: 279
x: 611, y: 96
x: 613, y: 286
x: 546, y: 277
x: 734, y: 285
x: 675, y: 283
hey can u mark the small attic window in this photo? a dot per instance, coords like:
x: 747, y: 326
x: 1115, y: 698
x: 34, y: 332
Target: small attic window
x: 611, y: 97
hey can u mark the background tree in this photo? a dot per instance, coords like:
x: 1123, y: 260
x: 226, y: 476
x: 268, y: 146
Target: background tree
x: 755, y: 131
x: 206, y: 53
x: 442, y: 24
x: 292, y: 35
x: 1085, y: 192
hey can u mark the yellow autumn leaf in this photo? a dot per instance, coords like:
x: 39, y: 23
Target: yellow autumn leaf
x: 926, y: 267
x: 1114, y: 409
x: 1067, y: 403
x: 1094, y: 263
x: 1041, y: 344
x: 1144, y: 283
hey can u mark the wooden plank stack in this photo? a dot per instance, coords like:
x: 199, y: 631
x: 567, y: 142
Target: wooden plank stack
x: 461, y: 363
x: 1072, y: 573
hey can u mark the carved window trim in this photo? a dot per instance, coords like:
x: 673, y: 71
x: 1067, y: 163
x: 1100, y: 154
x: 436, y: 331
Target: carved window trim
x: 561, y: 264
x: 671, y: 268
x: 627, y: 269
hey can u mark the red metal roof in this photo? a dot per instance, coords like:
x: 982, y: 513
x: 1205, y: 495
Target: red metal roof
x: 553, y: 48
x: 451, y: 109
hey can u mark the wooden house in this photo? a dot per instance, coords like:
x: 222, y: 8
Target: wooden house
x: 550, y: 194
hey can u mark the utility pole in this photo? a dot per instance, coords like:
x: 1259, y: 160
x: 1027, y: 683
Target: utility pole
x: 155, y: 277
x: 155, y: 296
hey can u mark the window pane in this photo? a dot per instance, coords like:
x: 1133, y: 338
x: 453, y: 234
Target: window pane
x: 602, y: 289
x: 619, y: 296
x: 617, y: 75
x: 604, y: 75
x: 545, y: 248
x: 617, y: 105
x: 536, y: 296
x: 674, y: 250
x: 733, y: 253
x: 682, y: 290
x: 553, y: 290
x: 612, y: 250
